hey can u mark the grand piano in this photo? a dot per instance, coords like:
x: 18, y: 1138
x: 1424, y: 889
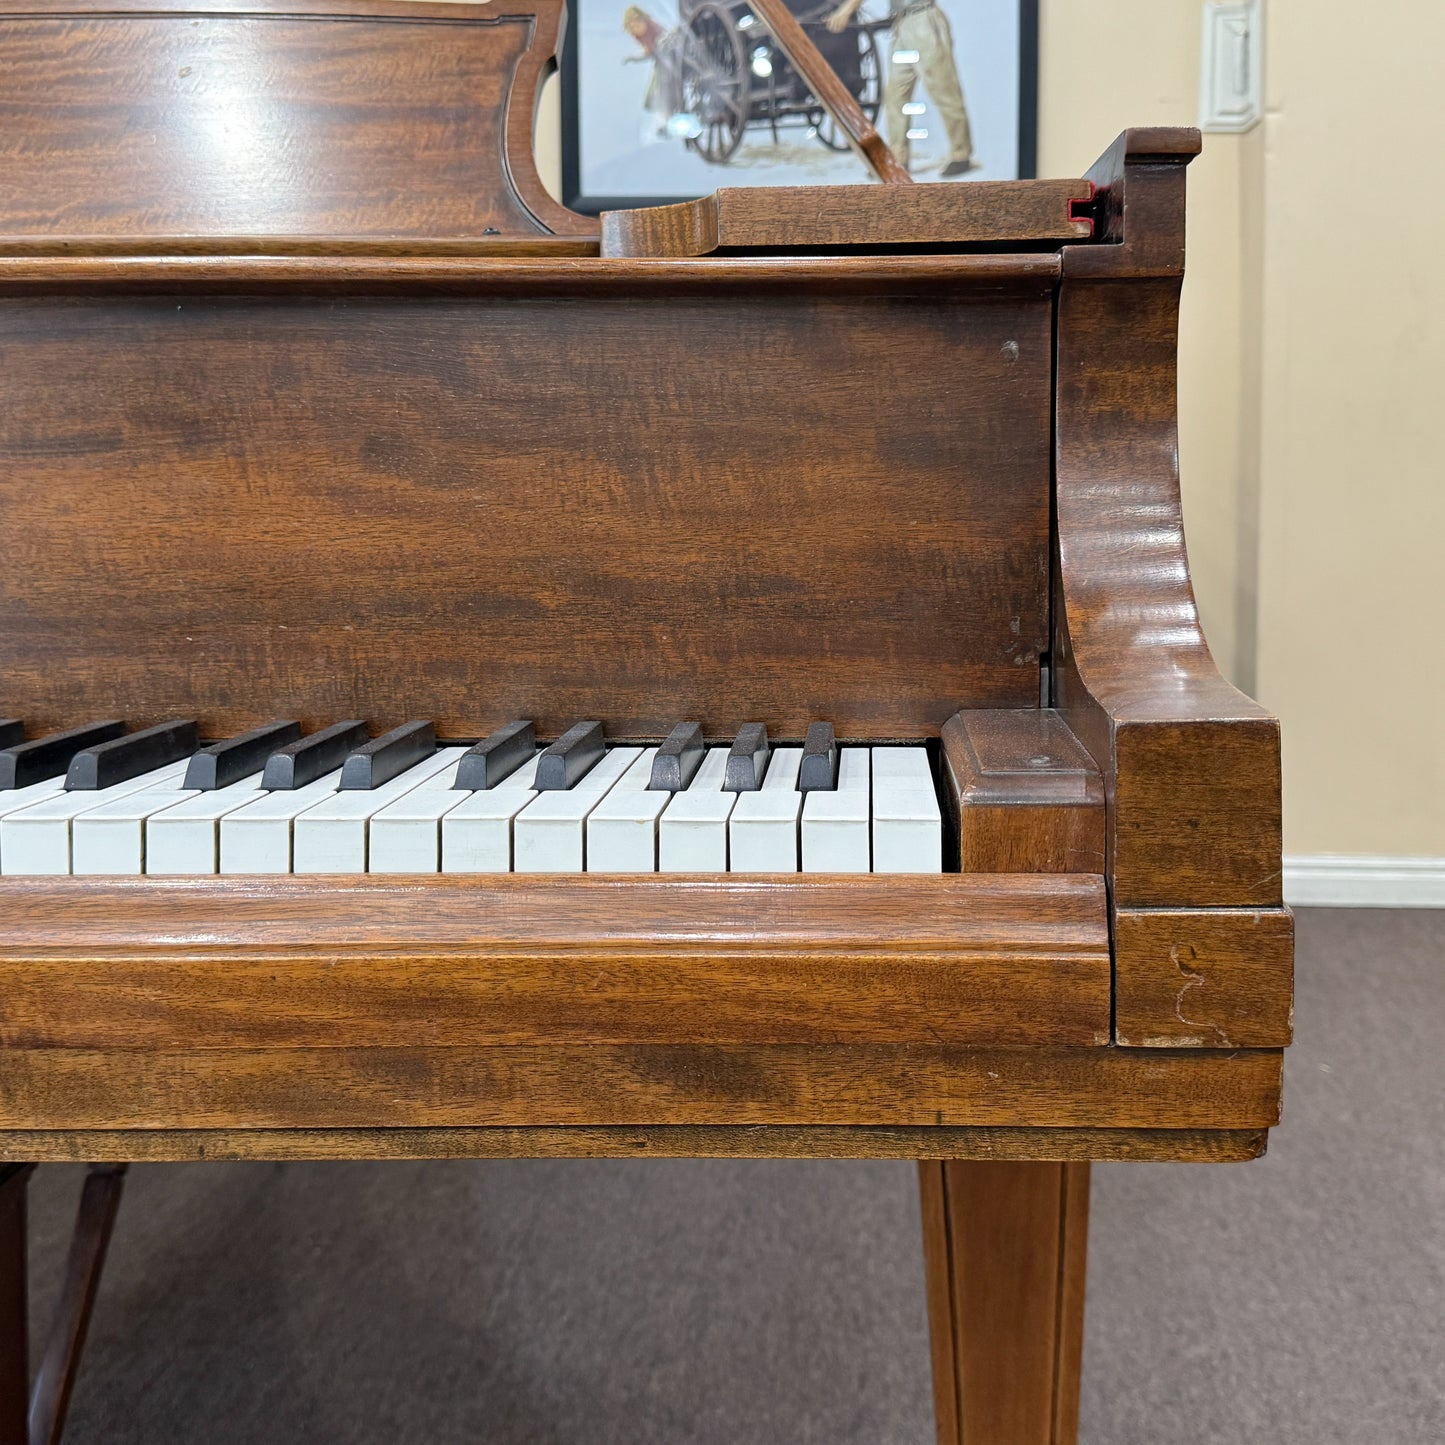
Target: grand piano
x: 483, y: 682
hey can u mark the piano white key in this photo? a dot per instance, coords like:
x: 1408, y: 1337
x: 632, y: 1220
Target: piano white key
x: 186, y: 838
x: 111, y: 839
x: 548, y: 835
x: 36, y: 839
x: 763, y: 830
x: 692, y: 834
x: 256, y: 838
x: 477, y: 833
x: 907, y: 824
x: 406, y: 835
x: 835, y: 823
x: 331, y: 837
x: 12, y: 800
x: 622, y: 828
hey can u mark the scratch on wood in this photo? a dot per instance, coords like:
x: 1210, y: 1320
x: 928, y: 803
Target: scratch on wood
x: 1193, y: 978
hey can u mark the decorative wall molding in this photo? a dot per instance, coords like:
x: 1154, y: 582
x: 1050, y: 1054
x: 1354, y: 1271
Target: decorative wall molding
x: 1331, y: 880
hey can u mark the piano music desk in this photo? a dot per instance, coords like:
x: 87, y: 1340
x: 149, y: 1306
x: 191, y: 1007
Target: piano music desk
x: 374, y: 429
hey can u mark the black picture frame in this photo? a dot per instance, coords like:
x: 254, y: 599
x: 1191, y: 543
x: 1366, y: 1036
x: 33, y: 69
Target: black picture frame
x: 569, y: 64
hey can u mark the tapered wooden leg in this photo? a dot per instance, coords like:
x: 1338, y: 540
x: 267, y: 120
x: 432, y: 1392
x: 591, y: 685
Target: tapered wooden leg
x: 1004, y: 1246
x: 54, y: 1380
x: 14, y: 1350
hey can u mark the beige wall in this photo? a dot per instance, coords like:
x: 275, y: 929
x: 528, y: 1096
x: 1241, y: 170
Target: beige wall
x: 548, y: 137
x: 1353, y: 508
x: 1312, y: 367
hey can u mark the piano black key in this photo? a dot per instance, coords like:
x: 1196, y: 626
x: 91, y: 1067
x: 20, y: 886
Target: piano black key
x: 578, y: 750
x: 380, y: 760
x: 819, y: 771
x: 496, y: 757
x: 48, y: 757
x: 222, y: 764
x: 124, y: 758
x: 315, y: 755
x: 12, y: 731
x: 747, y: 760
x: 677, y: 759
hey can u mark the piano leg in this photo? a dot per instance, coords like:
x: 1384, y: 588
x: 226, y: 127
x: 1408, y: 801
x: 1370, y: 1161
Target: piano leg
x: 14, y: 1351
x: 54, y: 1380
x: 1004, y: 1246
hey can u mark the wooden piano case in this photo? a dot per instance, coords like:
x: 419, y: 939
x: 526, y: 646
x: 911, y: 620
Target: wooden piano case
x: 319, y: 407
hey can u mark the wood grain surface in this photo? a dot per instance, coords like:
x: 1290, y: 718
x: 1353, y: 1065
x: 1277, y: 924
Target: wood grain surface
x: 1004, y: 1247
x: 444, y: 961
x: 600, y: 1084
x: 1200, y: 1146
x: 363, y: 119
x: 798, y: 218
x: 1191, y: 765
x: 1210, y: 977
x: 478, y: 509
x: 545, y: 268
x: 1029, y: 796
x: 488, y: 480
x: 622, y: 913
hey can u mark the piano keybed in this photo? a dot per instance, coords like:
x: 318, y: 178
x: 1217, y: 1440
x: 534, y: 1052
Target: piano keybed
x: 156, y: 802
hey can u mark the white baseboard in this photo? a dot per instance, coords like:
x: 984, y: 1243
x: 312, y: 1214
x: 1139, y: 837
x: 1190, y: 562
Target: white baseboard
x: 1328, y: 880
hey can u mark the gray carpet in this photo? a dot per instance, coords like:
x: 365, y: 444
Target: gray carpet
x: 1301, y: 1298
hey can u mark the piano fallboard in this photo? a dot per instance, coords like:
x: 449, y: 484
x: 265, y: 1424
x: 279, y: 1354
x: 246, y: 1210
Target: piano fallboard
x: 723, y: 494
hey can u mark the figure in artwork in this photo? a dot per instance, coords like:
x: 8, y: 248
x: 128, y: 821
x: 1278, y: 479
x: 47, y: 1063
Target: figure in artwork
x: 921, y: 48
x: 663, y: 103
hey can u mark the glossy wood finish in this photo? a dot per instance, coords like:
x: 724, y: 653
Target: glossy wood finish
x: 14, y: 1298
x: 723, y: 1141
x: 500, y: 558
x: 1029, y: 796
x: 1209, y: 977
x: 60, y: 1363
x: 1004, y: 1247
x: 1190, y: 764
x: 445, y: 961
x: 800, y: 218
x: 161, y: 266
x: 648, y: 1084
x: 396, y: 120
x: 828, y: 89
x: 288, y: 433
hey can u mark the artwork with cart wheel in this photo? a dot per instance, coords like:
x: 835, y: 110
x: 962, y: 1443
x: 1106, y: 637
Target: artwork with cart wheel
x: 670, y: 99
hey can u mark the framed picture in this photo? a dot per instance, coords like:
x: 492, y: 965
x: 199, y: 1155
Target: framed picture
x: 666, y: 100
